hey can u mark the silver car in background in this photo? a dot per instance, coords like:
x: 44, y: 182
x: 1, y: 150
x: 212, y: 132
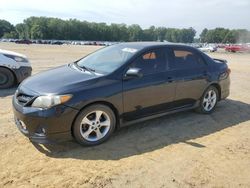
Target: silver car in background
x: 14, y: 68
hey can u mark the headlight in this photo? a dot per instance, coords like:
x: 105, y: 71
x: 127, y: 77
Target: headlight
x: 16, y: 58
x: 50, y: 100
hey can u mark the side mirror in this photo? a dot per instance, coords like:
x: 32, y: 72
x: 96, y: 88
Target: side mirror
x: 133, y: 73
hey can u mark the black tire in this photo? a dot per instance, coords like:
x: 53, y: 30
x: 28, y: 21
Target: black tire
x: 202, y: 109
x: 7, y: 79
x: 86, y: 112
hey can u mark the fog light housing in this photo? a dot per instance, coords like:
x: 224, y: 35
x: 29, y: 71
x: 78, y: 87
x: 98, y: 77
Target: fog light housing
x: 23, y: 126
x: 41, y: 131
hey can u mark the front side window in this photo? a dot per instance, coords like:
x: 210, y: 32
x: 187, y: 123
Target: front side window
x: 108, y: 59
x: 185, y: 59
x: 150, y: 62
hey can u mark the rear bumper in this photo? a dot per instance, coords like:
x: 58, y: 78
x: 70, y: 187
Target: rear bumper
x: 22, y: 73
x: 225, y: 88
x: 225, y: 94
x: 44, y: 126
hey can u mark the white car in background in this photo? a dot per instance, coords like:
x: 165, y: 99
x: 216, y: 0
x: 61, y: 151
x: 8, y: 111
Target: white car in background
x: 208, y: 48
x: 14, y: 68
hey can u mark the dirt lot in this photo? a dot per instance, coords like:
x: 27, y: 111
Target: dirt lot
x: 180, y: 150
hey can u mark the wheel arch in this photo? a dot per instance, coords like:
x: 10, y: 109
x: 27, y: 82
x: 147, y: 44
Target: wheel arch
x: 217, y: 86
x: 106, y: 103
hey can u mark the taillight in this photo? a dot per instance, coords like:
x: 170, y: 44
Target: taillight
x: 225, y: 74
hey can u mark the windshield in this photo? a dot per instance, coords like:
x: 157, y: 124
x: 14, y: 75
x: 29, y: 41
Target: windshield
x: 107, y: 59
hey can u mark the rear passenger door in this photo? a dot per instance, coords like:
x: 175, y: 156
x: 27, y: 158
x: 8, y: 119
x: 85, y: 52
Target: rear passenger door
x: 190, y: 74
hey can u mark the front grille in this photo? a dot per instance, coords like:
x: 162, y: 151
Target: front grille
x: 24, y: 99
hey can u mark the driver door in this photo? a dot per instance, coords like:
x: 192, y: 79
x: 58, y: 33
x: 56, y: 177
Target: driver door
x: 152, y: 92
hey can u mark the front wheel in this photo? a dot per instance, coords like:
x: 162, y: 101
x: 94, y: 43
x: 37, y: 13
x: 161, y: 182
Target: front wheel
x: 208, y: 101
x: 94, y: 125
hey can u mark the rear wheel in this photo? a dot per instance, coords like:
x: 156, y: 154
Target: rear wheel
x: 208, y: 101
x: 7, y: 78
x: 94, y: 125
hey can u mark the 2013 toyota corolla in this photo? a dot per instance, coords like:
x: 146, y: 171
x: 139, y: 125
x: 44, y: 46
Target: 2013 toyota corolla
x: 115, y: 86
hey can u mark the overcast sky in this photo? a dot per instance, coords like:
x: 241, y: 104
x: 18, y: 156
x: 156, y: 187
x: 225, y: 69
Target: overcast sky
x: 176, y: 13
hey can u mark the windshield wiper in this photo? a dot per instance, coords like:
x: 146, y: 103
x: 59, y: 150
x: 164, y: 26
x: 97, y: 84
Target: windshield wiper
x: 84, y: 68
x: 88, y: 69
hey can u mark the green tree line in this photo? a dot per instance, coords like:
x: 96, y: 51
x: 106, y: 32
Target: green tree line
x: 72, y: 29
x: 54, y: 28
x: 222, y: 35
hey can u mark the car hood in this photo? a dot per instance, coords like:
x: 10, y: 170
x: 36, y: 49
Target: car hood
x: 61, y: 80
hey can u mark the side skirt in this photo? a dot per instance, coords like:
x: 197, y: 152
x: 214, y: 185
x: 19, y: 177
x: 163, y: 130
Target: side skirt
x: 180, y: 109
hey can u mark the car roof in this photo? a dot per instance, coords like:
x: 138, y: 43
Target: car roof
x: 143, y: 45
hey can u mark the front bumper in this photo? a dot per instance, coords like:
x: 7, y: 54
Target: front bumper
x: 22, y: 73
x: 44, y: 126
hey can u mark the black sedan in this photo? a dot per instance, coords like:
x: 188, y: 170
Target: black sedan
x: 115, y: 86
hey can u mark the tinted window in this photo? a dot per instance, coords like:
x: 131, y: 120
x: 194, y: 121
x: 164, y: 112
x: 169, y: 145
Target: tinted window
x: 151, y: 62
x: 184, y: 58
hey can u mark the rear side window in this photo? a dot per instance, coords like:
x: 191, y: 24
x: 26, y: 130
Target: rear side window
x: 151, y: 62
x: 185, y: 59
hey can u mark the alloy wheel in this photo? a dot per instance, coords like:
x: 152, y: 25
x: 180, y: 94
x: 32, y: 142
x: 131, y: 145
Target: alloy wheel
x: 95, y: 125
x: 209, y: 100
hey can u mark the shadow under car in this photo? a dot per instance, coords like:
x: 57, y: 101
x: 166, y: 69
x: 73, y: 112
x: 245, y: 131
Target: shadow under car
x: 155, y: 134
